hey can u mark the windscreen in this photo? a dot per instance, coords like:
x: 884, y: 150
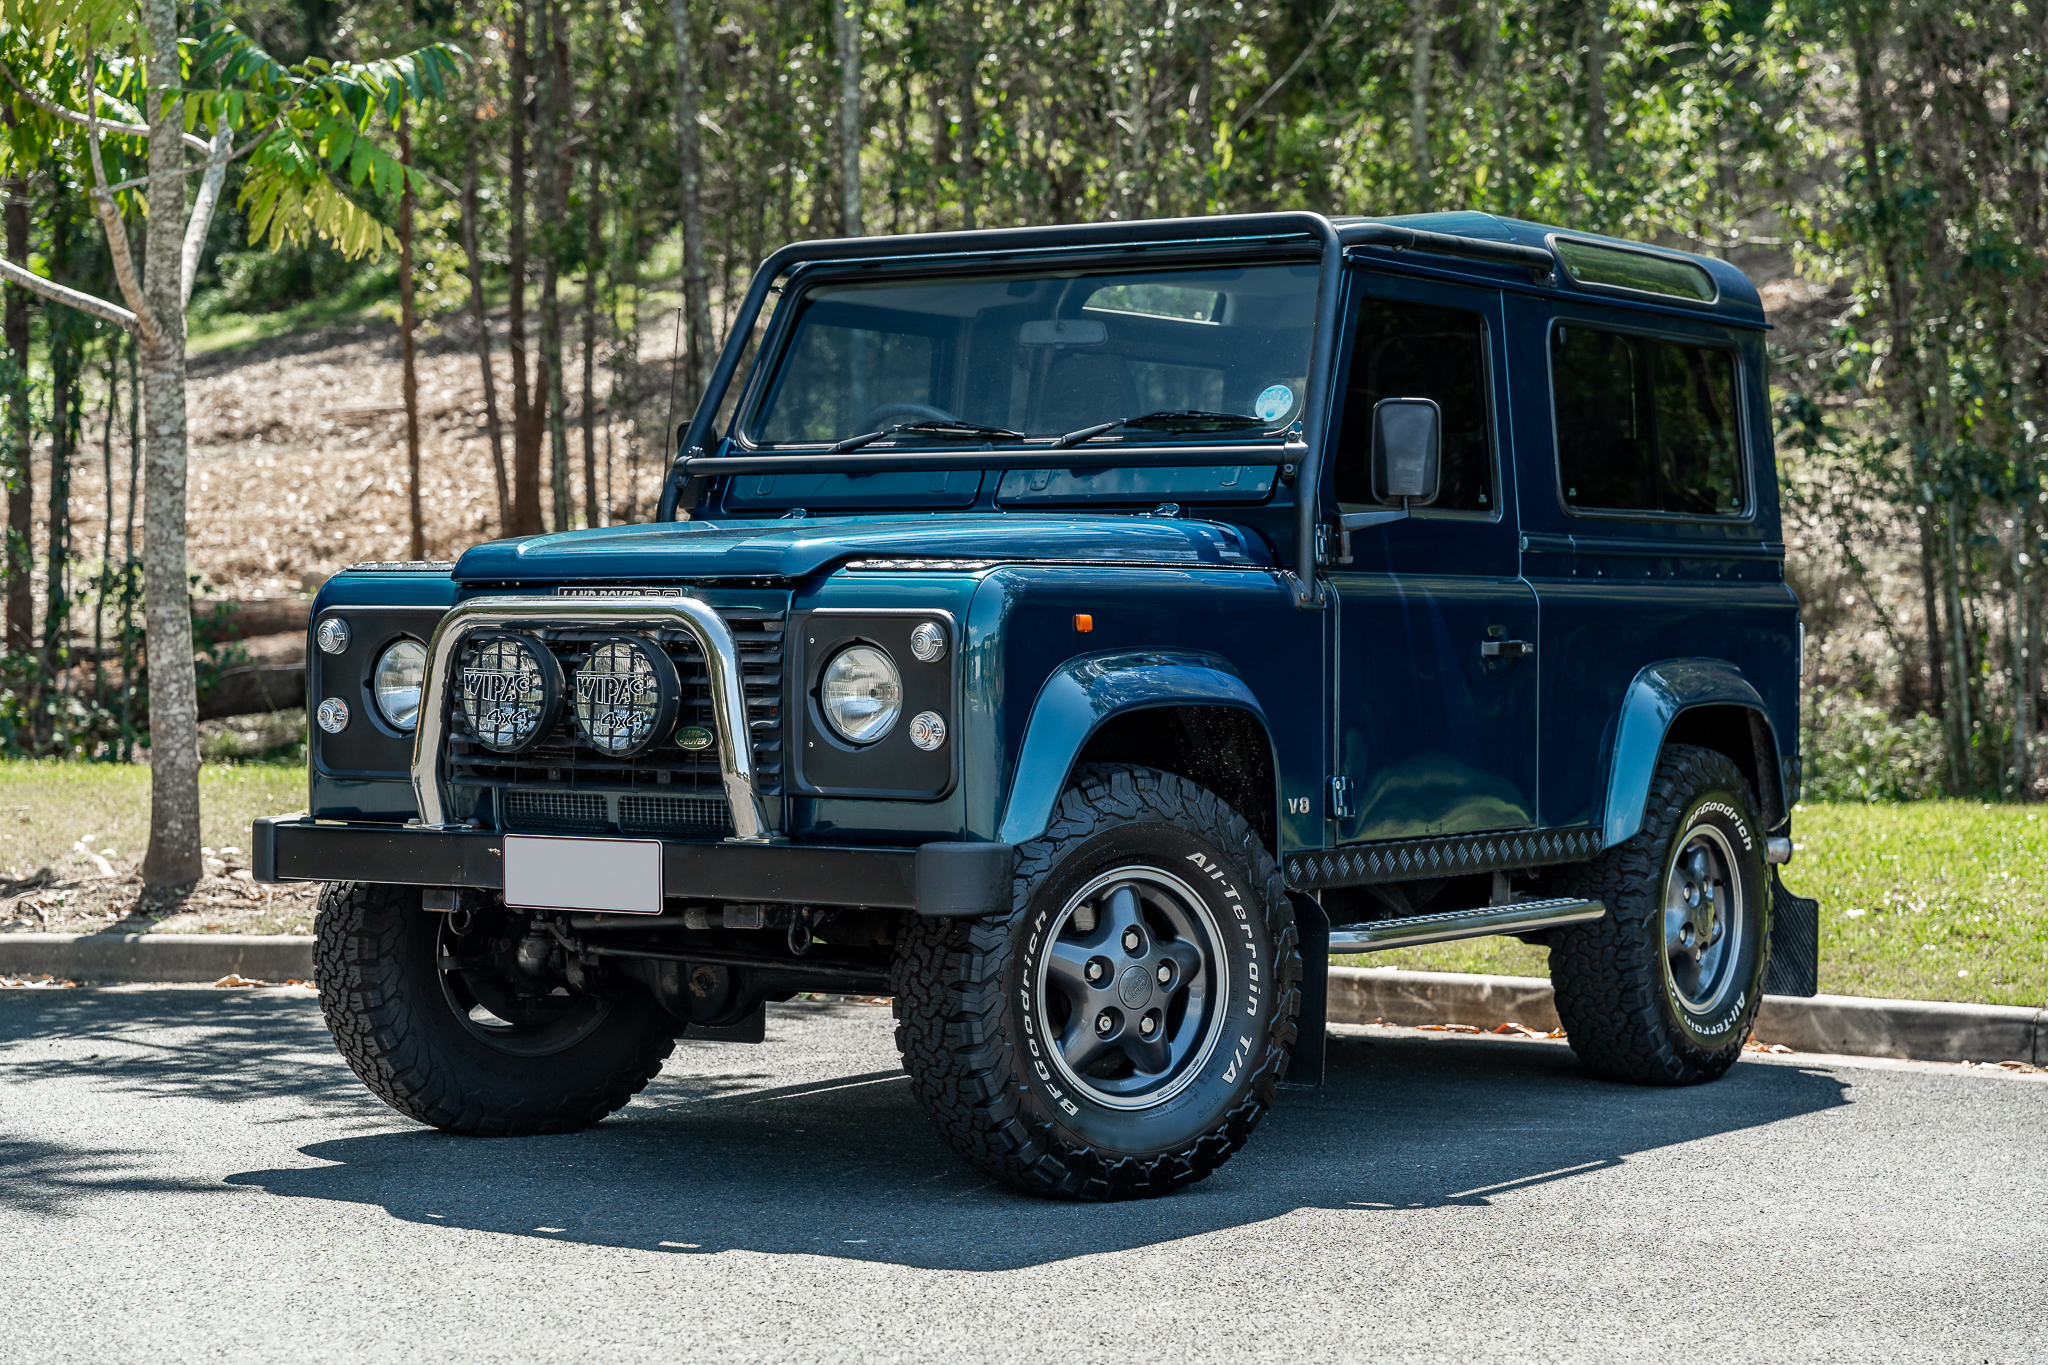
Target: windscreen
x: 1043, y: 353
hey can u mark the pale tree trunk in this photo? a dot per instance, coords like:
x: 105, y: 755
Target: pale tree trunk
x: 696, y: 271
x: 408, y: 348
x: 173, y: 856
x: 21, y: 493
x: 846, y: 29
x: 1418, y: 113
x: 480, y: 313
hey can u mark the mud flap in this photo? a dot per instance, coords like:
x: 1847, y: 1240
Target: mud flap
x: 1312, y: 930
x: 1795, y: 943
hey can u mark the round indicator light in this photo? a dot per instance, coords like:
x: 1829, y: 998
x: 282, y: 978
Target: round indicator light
x: 927, y: 730
x: 333, y: 715
x: 928, y: 642
x: 332, y: 635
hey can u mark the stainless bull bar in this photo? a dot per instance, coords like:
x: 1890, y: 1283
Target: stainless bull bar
x: 706, y: 626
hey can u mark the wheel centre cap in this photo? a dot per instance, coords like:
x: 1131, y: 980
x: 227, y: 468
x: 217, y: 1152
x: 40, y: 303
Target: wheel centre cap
x: 1134, y: 987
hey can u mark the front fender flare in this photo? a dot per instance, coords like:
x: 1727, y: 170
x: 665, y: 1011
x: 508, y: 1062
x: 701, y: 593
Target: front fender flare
x: 1653, y: 701
x: 1083, y: 693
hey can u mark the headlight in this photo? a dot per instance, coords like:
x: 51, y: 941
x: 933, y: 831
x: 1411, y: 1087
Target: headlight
x: 401, y: 671
x: 861, y: 694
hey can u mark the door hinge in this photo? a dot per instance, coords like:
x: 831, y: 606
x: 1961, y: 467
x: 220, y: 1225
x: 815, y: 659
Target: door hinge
x: 1340, y: 798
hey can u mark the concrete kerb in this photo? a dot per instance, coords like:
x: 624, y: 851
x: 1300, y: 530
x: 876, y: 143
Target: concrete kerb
x: 158, y: 957
x: 1916, y: 1030
x: 1928, y: 1031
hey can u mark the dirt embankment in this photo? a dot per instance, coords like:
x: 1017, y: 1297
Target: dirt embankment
x: 298, y: 463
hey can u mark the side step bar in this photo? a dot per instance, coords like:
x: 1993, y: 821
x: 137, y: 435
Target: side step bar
x: 1521, y: 917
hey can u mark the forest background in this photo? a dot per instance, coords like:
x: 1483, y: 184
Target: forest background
x: 606, y: 173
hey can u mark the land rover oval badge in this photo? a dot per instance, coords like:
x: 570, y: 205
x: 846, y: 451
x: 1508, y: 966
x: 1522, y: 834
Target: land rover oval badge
x: 693, y: 738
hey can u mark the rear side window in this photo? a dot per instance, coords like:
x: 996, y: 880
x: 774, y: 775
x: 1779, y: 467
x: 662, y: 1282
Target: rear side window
x: 1408, y: 350
x: 1645, y: 425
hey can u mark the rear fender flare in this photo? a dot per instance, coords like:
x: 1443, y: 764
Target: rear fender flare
x: 1659, y: 694
x: 1084, y: 693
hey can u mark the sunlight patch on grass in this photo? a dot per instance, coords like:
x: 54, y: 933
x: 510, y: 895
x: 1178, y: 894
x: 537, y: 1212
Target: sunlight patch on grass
x: 1932, y: 900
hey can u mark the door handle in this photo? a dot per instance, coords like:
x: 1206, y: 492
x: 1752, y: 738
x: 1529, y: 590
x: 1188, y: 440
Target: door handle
x: 1506, y: 649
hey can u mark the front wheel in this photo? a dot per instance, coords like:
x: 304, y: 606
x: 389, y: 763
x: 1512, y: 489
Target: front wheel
x: 462, y: 1021
x: 1663, y: 991
x: 1122, y: 1031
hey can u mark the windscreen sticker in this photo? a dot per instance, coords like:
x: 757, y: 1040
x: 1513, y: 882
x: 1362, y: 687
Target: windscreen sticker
x: 1276, y: 402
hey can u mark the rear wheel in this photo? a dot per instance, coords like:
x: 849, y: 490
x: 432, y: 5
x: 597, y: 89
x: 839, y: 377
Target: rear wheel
x: 1122, y: 1031
x: 1664, y: 990
x: 460, y: 1021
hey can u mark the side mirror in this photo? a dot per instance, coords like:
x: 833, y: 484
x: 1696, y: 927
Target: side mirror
x: 1407, y: 454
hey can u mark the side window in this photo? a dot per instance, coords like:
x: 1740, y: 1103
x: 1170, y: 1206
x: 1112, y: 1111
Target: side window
x: 1408, y: 350
x: 1645, y: 425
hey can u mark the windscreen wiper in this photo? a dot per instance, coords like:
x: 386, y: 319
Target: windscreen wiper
x: 1172, y: 419
x: 928, y: 427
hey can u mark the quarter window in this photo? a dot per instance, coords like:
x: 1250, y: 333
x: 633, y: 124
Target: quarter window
x: 1407, y: 350
x: 1645, y: 425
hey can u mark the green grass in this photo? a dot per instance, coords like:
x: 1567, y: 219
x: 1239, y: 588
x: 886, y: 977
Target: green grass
x: 1933, y: 900
x: 53, y: 812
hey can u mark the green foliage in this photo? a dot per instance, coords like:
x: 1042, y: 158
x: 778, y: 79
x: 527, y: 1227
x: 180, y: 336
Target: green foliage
x: 1856, y: 751
x: 318, y: 119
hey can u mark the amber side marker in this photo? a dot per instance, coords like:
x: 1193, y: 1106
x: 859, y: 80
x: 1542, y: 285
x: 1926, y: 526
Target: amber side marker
x: 1084, y: 624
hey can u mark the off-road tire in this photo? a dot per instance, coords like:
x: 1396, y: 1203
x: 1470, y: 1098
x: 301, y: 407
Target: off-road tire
x: 1620, y: 1010
x: 963, y: 1026
x: 374, y: 960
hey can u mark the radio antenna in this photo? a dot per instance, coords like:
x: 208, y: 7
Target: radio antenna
x: 675, y: 368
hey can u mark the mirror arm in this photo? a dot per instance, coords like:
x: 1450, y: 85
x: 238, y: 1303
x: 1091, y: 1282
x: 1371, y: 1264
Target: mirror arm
x: 1347, y: 522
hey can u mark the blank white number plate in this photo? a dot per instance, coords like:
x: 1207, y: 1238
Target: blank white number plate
x: 583, y: 874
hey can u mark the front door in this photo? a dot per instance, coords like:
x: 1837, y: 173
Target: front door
x: 1437, y: 683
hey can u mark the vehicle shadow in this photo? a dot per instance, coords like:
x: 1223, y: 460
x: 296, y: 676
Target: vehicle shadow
x: 850, y: 1167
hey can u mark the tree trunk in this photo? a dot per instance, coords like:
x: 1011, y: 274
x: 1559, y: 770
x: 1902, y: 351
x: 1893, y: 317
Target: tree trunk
x: 64, y: 351
x: 480, y: 315
x: 593, y: 256
x: 554, y: 192
x: 408, y: 350
x: 846, y: 29
x: 593, y: 236
x: 1596, y: 90
x: 1497, y: 90
x: 1418, y: 106
x: 21, y: 493
x: 696, y: 270
x: 173, y: 856
x: 525, y: 446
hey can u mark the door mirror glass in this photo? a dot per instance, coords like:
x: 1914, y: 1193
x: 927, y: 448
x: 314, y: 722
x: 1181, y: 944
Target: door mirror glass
x: 1407, y: 440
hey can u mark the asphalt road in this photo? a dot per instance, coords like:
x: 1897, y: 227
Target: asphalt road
x: 192, y: 1174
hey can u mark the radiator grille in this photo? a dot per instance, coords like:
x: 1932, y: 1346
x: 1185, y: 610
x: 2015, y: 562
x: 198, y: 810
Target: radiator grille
x: 674, y: 815
x: 665, y: 790
x: 556, y: 810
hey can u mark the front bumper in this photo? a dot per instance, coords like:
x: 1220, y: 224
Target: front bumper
x: 939, y: 880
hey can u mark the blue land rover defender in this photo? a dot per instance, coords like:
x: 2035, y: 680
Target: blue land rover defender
x: 1078, y: 634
